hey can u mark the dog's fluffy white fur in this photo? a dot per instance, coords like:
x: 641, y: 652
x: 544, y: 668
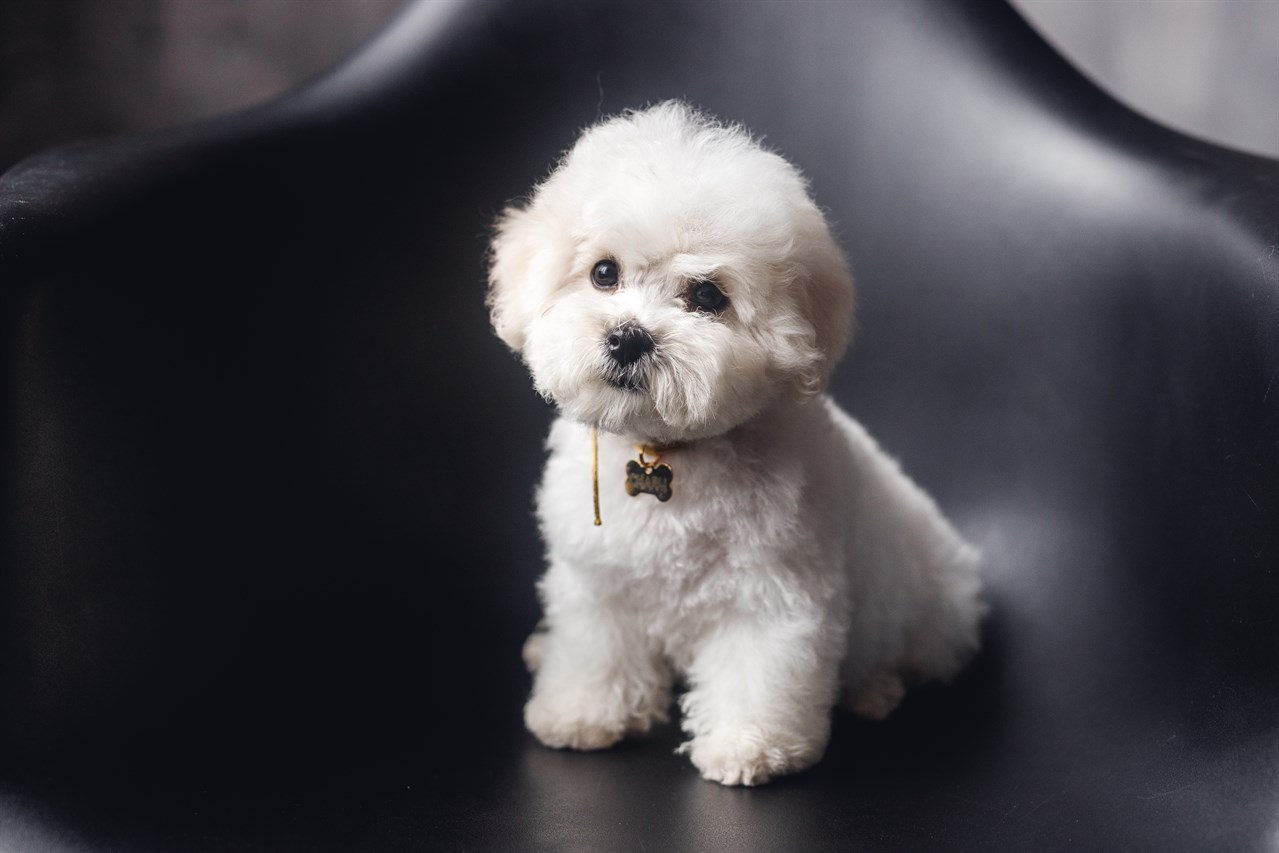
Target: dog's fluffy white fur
x: 795, y: 566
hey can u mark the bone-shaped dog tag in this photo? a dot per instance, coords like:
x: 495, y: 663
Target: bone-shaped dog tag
x: 649, y: 479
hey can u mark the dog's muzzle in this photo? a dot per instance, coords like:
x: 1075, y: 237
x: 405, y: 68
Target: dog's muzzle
x: 627, y: 345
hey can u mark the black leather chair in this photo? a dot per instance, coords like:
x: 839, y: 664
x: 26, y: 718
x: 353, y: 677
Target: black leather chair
x: 267, y: 548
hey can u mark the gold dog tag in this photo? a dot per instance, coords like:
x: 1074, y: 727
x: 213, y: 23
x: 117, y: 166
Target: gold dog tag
x: 647, y: 477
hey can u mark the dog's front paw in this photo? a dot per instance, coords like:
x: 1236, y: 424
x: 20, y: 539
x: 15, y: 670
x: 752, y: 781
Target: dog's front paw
x: 747, y: 756
x: 576, y: 721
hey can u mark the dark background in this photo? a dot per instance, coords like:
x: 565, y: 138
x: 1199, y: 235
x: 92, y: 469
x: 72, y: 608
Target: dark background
x: 74, y: 68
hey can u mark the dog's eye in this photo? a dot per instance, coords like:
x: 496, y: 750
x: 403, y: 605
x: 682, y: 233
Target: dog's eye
x: 705, y: 295
x: 605, y: 274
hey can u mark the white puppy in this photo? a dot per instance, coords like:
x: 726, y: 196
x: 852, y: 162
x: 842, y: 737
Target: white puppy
x: 673, y: 287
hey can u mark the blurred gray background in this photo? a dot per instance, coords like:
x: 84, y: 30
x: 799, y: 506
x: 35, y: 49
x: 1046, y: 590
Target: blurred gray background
x: 76, y: 68
x: 1206, y: 67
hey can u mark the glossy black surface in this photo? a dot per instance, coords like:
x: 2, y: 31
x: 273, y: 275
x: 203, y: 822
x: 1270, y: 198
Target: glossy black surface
x: 267, y: 550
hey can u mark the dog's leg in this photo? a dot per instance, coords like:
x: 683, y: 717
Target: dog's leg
x: 534, y: 646
x: 875, y: 698
x: 597, y: 678
x: 760, y: 701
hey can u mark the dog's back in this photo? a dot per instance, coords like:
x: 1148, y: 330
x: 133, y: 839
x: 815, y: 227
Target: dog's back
x: 913, y: 581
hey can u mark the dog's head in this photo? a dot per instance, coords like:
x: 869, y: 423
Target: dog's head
x: 670, y: 278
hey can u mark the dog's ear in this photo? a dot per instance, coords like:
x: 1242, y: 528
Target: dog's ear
x: 825, y: 300
x: 528, y: 260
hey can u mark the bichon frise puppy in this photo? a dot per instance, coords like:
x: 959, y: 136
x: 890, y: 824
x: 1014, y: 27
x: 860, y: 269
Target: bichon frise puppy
x: 675, y: 291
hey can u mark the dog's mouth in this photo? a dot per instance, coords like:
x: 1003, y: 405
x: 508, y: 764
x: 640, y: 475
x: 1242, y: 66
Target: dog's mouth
x: 624, y: 381
x: 626, y: 378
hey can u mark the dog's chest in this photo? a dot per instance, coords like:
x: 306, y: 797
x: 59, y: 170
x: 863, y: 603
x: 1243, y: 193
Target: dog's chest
x: 723, y: 510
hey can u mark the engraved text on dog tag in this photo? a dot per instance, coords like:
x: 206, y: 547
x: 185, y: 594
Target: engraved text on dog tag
x: 649, y: 479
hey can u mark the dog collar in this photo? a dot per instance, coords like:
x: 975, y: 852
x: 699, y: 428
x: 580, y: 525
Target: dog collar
x: 645, y: 475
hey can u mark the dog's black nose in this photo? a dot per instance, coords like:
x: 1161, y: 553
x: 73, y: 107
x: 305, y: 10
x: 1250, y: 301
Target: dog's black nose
x: 627, y: 343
